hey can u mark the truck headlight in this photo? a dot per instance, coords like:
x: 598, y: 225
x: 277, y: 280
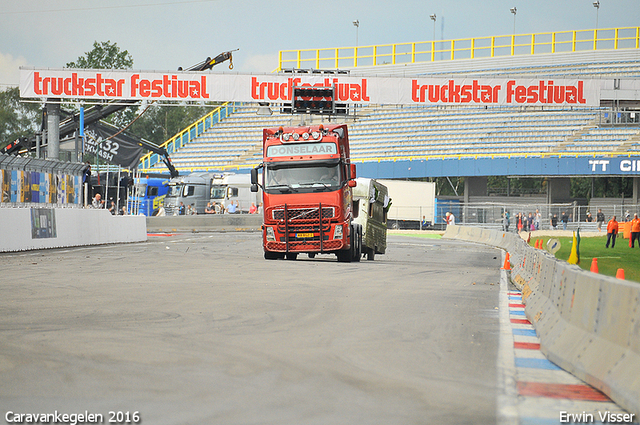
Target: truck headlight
x: 337, y: 233
x: 271, y: 237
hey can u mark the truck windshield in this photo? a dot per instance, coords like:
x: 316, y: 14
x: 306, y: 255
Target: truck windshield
x: 281, y: 178
x: 140, y: 190
x: 174, y: 191
x: 218, y: 192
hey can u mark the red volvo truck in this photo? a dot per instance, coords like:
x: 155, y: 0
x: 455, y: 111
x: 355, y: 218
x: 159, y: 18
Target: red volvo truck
x: 307, y: 177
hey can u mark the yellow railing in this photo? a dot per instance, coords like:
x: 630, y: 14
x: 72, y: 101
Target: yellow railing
x: 464, y: 48
x: 189, y: 133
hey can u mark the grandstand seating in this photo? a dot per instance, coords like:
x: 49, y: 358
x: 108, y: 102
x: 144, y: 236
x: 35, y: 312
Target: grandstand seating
x: 388, y: 132
x: 385, y: 132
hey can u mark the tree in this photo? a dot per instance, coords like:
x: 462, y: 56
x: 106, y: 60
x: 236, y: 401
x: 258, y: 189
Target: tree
x: 107, y: 55
x: 16, y: 118
x: 104, y: 55
x: 159, y: 123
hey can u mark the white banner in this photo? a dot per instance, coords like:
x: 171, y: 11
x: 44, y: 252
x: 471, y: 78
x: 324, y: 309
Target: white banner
x: 277, y: 88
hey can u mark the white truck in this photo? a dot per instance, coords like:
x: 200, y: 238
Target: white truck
x: 413, y: 205
x: 198, y: 189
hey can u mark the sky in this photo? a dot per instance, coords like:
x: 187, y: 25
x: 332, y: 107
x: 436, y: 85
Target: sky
x: 163, y: 35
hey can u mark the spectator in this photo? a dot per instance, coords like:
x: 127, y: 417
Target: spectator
x: 181, y: 209
x: 123, y: 211
x: 193, y: 211
x: 231, y: 209
x: 209, y: 209
x: 635, y: 230
x: 530, y: 225
x: 450, y: 219
x: 97, y: 201
x: 564, y: 218
x: 554, y: 222
x: 86, y: 183
x: 537, y: 219
x: 505, y: 221
x: 600, y: 219
x: 217, y: 208
x: 253, y: 209
x: 589, y: 219
x: 112, y: 208
x: 612, y: 232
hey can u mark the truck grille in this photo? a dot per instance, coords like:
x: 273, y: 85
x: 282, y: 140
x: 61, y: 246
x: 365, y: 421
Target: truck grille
x: 305, y: 228
x: 300, y: 214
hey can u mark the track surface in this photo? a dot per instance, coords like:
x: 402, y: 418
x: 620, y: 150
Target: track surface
x: 200, y: 329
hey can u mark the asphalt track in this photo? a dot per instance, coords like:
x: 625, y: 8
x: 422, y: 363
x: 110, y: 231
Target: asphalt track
x: 200, y: 329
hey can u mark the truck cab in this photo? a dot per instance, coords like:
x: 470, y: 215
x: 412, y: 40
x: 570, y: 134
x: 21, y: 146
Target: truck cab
x: 307, y: 181
x: 148, y: 194
x: 193, y: 189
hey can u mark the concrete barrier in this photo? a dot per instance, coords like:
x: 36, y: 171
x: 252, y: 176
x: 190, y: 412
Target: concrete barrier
x: 588, y: 324
x: 39, y: 228
x: 205, y: 223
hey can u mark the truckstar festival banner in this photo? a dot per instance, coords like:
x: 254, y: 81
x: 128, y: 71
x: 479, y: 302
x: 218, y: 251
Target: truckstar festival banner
x: 277, y: 88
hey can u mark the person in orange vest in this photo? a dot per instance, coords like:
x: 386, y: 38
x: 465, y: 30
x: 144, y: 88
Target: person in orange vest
x: 635, y: 230
x: 612, y: 232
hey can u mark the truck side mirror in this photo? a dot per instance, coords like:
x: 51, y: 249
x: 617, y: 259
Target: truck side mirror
x: 353, y: 171
x: 254, y: 180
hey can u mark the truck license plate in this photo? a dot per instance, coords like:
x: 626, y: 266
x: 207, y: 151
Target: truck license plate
x: 304, y: 235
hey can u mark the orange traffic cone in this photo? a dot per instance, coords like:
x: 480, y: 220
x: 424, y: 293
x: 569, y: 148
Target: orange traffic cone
x: 507, y: 264
x: 594, y: 266
x: 620, y: 274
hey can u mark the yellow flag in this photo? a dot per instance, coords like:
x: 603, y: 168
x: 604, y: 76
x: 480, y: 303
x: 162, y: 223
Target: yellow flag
x: 573, y: 257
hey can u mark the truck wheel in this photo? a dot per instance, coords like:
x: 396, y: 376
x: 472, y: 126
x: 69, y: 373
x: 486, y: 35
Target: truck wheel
x: 268, y: 255
x: 312, y: 255
x: 291, y: 256
x: 371, y: 254
x: 344, y: 255
x: 356, y: 242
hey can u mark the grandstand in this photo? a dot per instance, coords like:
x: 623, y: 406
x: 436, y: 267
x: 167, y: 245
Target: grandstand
x: 391, y: 133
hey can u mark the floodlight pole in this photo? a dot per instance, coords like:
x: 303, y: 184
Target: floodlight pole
x: 596, y: 4
x: 514, y: 10
x: 356, y: 24
x: 433, y: 18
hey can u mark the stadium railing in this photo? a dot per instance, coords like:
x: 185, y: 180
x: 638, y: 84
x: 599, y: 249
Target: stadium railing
x: 465, y: 48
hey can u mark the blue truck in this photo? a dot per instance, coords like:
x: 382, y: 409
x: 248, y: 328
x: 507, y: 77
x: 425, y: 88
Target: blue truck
x: 147, y: 195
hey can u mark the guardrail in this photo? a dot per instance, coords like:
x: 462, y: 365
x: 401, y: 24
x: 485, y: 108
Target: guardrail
x: 587, y: 323
x: 189, y: 133
x: 464, y: 48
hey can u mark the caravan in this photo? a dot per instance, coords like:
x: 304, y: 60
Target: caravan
x: 371, y: 203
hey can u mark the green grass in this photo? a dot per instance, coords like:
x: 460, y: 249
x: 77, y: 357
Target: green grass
x: 609, y: 260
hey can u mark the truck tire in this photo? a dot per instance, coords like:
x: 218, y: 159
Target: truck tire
x: 371, y: 253
x: 291, y: 256
x: 268, y: 255
x: 356, y: 242
x: 344, y: 255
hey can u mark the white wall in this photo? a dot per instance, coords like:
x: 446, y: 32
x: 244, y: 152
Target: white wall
x: 74, y: 227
